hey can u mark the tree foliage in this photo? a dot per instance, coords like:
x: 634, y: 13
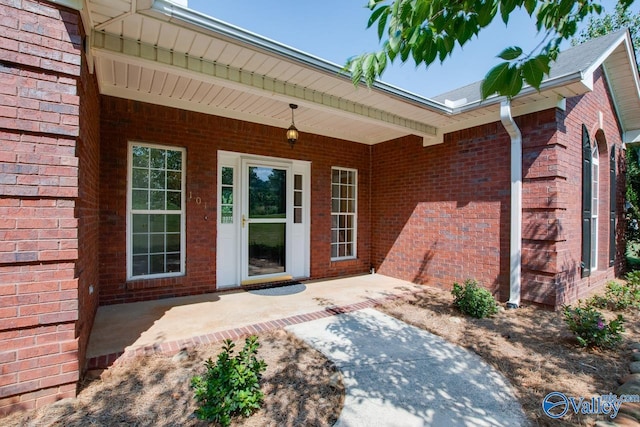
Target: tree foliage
x: 429, y: 30
x: 600, y: 26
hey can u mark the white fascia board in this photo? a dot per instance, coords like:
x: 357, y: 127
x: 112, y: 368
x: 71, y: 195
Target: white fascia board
x: 72, y: 4
x: 631, y: 136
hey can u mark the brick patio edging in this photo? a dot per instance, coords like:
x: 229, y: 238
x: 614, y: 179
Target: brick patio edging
x: 173, y: 347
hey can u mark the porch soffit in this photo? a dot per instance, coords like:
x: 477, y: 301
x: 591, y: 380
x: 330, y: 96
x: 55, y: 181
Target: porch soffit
x: 134, y: 69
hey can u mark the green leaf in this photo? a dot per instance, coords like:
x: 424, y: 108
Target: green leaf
x: 532, y: 73
x: 382, y: 23
x: 494, y: 80
x: 486, y: 12
x: 506, y: 7
x: 510, y: 53
x: 513, y: 84
x: 530, y: 6
x: 382, y: 62
x: 376, y: 14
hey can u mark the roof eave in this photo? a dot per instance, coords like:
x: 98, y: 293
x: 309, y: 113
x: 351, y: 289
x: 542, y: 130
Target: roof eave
x: 171, y: 12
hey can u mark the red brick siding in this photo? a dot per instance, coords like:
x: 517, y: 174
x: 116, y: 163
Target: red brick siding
x: 39, y: 123
x: 203, y: 135
x: 585, y: 109
x: 441, y: 213
x: 88, y: 207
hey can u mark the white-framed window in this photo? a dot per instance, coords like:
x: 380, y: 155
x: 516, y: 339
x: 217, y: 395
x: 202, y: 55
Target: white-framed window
x: 595, y: 186
x: 156, y: 211
x: 344, y: 190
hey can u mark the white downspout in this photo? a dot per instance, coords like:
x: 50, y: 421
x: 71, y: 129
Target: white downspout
x: 515, y: 254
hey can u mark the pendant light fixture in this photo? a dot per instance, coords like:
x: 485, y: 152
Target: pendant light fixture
x: 292, y: 132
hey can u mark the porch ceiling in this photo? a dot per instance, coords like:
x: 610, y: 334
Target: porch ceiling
x: 157, y: 52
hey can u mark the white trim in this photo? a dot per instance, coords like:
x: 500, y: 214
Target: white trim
x: 131, y: 212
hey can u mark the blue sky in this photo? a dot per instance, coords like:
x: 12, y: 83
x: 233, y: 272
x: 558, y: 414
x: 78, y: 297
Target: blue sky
x: 335, y: 30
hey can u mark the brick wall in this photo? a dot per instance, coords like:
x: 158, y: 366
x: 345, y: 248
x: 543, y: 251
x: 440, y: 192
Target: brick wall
x: 39, y: 119
x: 203, y: 135
x: 88, y: 208
x: 441, y: 213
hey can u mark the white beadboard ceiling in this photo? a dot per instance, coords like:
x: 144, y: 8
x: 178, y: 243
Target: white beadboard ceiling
x: 155, y: 51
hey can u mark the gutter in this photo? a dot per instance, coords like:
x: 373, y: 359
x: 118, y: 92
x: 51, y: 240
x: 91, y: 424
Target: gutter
x: 515, y: 252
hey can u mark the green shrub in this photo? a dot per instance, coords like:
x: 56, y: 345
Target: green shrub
x: 474, y: 300
x: 231, y: 386
x: 619, y: 296
x: 591, y: 329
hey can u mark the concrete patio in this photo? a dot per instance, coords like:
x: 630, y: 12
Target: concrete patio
x: 167, y: 325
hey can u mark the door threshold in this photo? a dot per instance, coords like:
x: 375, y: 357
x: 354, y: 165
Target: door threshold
x: 263, y: 280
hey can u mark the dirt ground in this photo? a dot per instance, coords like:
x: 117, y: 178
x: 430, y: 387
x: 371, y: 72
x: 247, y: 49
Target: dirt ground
x: 301, y: 388
x: 532, y: 347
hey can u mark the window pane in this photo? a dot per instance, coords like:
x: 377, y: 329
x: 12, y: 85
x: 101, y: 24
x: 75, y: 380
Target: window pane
x: 173, y: 223
x: 173, y: 263
x: 157, y: 223
x: 226, y: 215
x: 174, y: 160
x: 140, y: 244
x: 141, y: 157
x: 174, y: 201
x: 157, y: 243
x: 140, y: 178
x: 227, y: 176
x: 140, y: 223
x: 140, y: 265
x: 297, y: 182
x: 158, y: 179
x: 173, y: 242
x: 266, y: 248
x: 227, y: 195
x: 297, y: 215
x: 157, y: 158
x: 157, y: 264
x: 334, y: 251
x: 267, y: 192
x: 174, y: 181
x: 297, y: 198
x: 157, y: 200
x: 140, y: 199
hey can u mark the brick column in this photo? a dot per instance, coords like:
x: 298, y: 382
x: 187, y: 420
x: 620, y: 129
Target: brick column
x: 40, y: 58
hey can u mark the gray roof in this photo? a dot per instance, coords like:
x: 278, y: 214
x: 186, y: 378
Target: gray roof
x: 571, y: 61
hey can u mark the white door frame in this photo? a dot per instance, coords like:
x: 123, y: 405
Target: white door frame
x: 231, y: 248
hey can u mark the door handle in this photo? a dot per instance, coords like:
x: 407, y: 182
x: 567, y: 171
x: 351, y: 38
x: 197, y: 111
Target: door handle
x: 244, y: 221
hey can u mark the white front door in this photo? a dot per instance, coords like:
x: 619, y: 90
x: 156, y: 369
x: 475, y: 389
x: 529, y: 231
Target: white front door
x: 263, y: 221
x: 267, y: 212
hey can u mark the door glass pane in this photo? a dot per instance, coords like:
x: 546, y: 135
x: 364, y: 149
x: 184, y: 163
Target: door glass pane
x: 267, y: 192
x: 266, y: 248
